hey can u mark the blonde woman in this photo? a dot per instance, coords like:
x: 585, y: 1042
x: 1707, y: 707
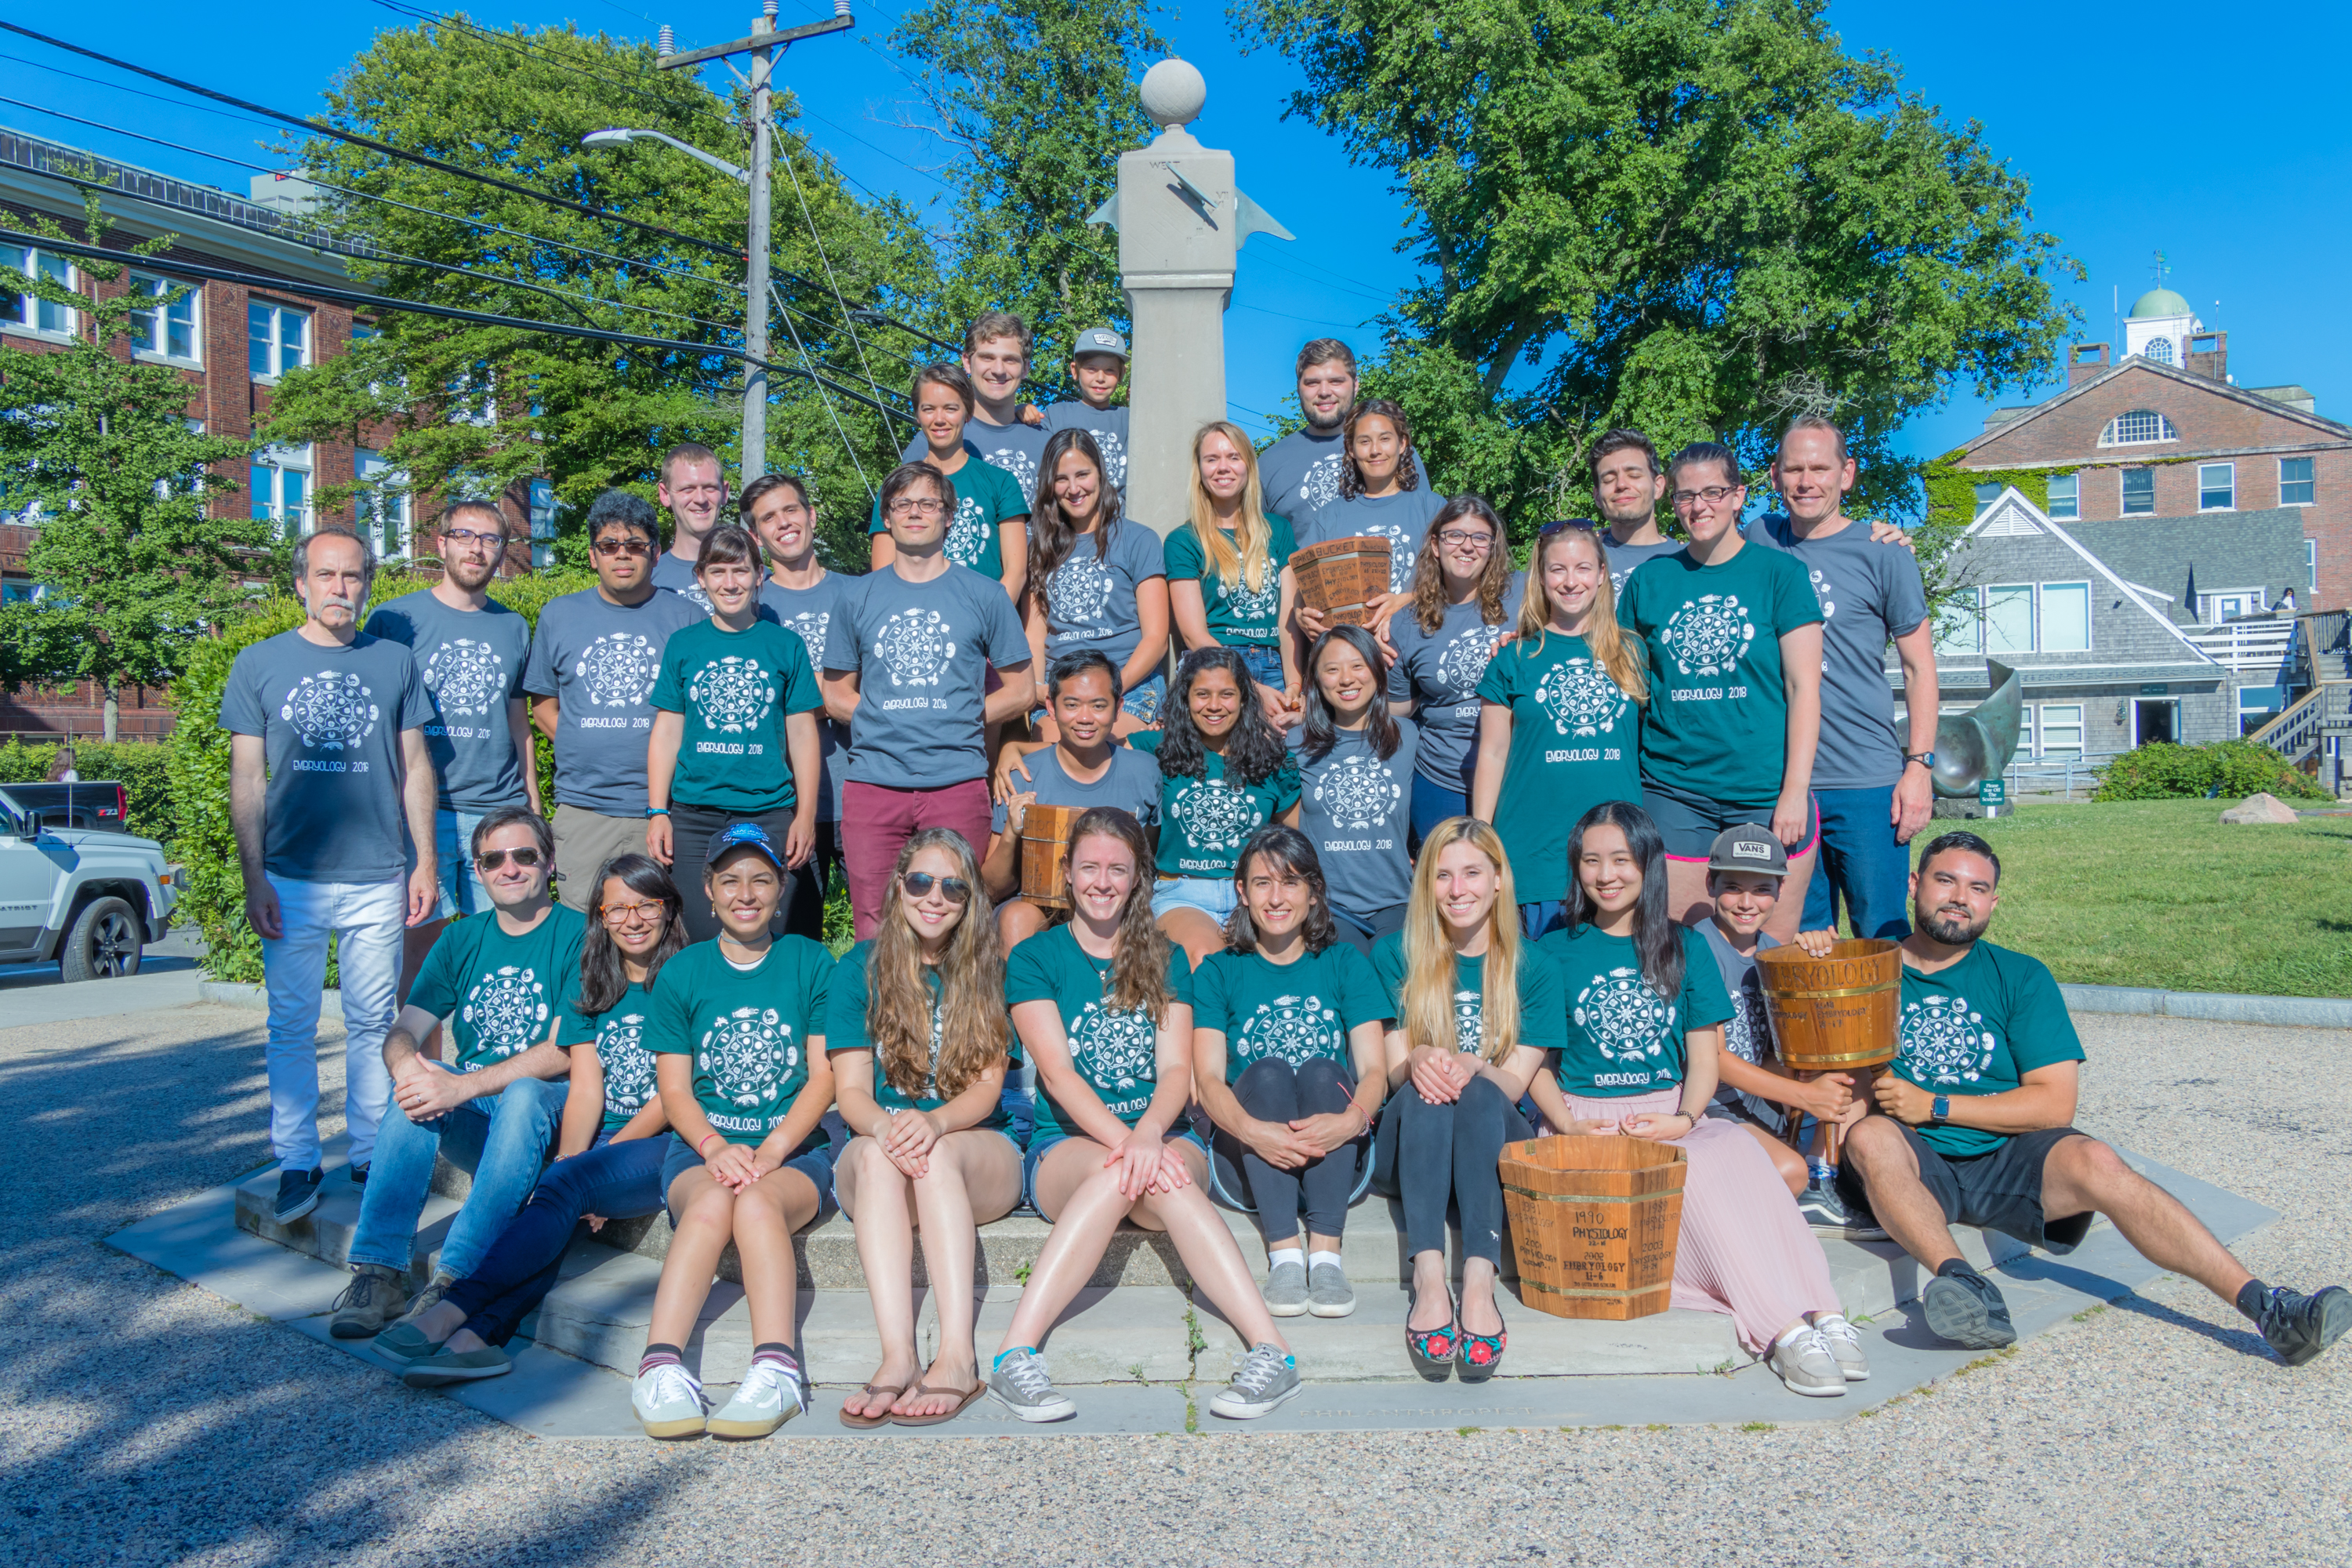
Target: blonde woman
x: 1476, y: 1009
x: 917, y: 1030
x: 1229, y: 580
x: 1560, y: 716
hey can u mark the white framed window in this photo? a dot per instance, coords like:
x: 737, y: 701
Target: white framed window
x: 542, y: 524
x: 22, y: 310
x: 2233, y: 604
x: 2296, y: 486
x: 2159, y: 350
x: 1956, y: 624
x: 167, y: 330
x: 2060, y: 727
x: 2139, y: 492
x: 18, y: 592
x: 474, y: 397
x: 277, y: 338
x: 2066, y: 497
x: 2216, y: 486
x: 2009, y: 618
x: 386, y: 511
x: 282, y: 489
x: 2311, y: 560
x: 1986, y: 496
x: 2137, y: 427
x: 2065, y: 618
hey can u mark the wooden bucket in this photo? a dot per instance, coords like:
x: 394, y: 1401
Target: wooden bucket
x: 1833, y: 1014
x: 1044, y: 859
x: 1594, y: 1221
x: 1344, y: 578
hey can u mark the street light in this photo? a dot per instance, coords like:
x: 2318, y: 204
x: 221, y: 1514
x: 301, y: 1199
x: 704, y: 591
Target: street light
x: 616, y: 138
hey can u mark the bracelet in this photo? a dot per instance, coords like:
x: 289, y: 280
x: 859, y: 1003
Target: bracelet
x: 704, y: 1139
x: 654, y: 811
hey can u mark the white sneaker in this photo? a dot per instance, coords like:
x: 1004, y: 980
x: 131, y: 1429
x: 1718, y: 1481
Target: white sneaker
x: 669, y: 1402
x: 768, y: 1396
x: 1844, y: 1342
x: 1807, y: 1365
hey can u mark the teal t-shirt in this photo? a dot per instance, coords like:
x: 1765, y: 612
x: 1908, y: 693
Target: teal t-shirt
x: 734, y: 690
x: 1293, y: 1011
x: 748, y: 1031
x: 497, y: 994
x: 1623, y: 1038
x: 1717, y: 724
x: 986, y: 495
x: 846, y: 1031
x: 617, y: 1034
x: 1979, y: 1028
x: 1204, y: 821
x: 1575, y: 742
x: 1117, y: 1053
x: 1237, y: 617
x: 1543, y: 1014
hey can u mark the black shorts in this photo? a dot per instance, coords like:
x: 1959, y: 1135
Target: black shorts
x: 1689, y: 823
x: 2000, y: 1190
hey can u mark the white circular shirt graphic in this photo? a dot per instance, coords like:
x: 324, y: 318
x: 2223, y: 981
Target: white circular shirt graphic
x: 1357, y: 792
x: 617, y: 669
x: 732, y: 695
x: 916, y: 646
x: 967, y: 538
x: 1580, y: 698
x: 1746, y: 1027
x: 746, y: 1055
x: 1289, y: 1028
x: 1470, y: 1022
x: 1079, y: 592
x: 1709, y: 635
x: 329, y: 710
x: 1626, y: 1019
x: 1823, y: 595
x: 1214, y: 816
x: 467, y: 678
x: 1944, y: 1042
x: 507, y: 1010
x: 1464, y: 663
x: 1319, y: 485
x: 813, y: 626
x: 628, y: 1066
x: 1248, y: 604
x: 1117, y: 1049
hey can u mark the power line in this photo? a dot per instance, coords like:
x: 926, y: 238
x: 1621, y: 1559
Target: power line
x: 118, y: 87
x: 517, y: 46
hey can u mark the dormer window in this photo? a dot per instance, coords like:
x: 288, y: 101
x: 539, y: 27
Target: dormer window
x: 2137, y: 427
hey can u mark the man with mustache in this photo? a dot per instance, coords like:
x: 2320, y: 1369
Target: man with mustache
x: 328, y: 766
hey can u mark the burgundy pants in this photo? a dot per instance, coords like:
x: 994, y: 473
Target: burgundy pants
x: 876, y: 823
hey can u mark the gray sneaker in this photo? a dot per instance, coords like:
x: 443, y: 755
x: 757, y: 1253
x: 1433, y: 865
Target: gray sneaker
x: 1285, y: 1289
x: 369, y: 1303
x: 1808, y: 1366
x: 1021, y: 1385
x: 1268, y: 1378
x: 669, y: 1402
x: 441, y: 1366
x: 1844, y: 1342
x: 768, y: 1396
x: 1328, y: 1294
x: 297, y: 1195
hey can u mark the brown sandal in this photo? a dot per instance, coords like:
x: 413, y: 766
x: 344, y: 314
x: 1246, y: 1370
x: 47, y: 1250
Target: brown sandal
x: 863, y: 1423
x: 963, y: 1402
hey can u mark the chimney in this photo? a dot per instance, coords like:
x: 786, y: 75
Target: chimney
x: 2208, y: 355
x: 2084, y: 360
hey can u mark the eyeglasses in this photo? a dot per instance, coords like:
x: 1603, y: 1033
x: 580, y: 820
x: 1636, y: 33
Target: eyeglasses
x: 623, y: 547
x: 917, y: 508
x: 462, y: 537
x: 491, y: 860
x: 1713, y: 495
x: 1455, y: 538
x: 918, y: 885
x: 633, y: 914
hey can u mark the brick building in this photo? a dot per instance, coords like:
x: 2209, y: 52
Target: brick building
x: 230, y: 341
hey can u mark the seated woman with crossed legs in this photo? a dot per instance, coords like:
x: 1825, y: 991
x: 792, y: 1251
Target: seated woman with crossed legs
x: 917, y: 1030
x: 1104, y: 1006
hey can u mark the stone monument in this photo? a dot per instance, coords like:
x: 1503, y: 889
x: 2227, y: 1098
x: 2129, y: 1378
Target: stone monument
x: 1181, y: 222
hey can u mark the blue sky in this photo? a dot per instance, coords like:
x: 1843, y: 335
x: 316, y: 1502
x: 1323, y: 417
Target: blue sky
x: 2141, y: 128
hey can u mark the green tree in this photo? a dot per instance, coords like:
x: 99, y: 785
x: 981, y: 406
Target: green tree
x: 477, y: 409
x: 1037, y: 97
x: 101, y: 445
x: 1699, y: 217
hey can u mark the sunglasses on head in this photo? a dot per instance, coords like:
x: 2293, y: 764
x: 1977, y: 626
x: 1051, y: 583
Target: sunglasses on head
x: 918, y: 885
x: 491, y: 860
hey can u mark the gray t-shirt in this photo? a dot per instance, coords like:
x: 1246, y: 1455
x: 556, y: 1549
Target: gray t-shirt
x: 1869, y: 593
x: 677, y: 576
x: 471, y: 662
x: 1090, y: 598
x: 598, y: 660
x: 1401, y: 519
x: 1131, y: 784
x: 1014, y: 447
x: 1438, y: 673
x: 1747, y: 1032
x: 329, y: 718
x: 921, y: 652
x: 1357, y: 810
x: 1623, y: 558
x: 810, y: 612
x: 1297, y: 474
x: 1106, y: 425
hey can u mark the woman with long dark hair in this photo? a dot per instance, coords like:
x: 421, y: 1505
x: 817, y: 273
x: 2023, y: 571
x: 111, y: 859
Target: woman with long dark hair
x: 918, y: 1030
x: 1646, y: 1008
x: 1287, y: 1027
x: 1356, y: 784
x: 1097, y: 580
x: 1383, y: 492
x: 1465, y: 597
x: 608, y: 1153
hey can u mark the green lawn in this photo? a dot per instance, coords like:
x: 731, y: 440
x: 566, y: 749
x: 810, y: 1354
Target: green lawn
x: 2159, y: 893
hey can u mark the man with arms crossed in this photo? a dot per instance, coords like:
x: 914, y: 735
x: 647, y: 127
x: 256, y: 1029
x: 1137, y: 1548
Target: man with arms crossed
x: 1973, y: 1129
x: 1301, y: 471
x: 327, y: 764
x: 693, y: 491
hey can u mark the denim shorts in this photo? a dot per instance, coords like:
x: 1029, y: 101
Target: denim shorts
x: 463, y: 892
x: 1045, y: 1141
x: 812, y: 1159
x: 1216, y: 896
x: 1142, y: 702
x: 1263, y: 662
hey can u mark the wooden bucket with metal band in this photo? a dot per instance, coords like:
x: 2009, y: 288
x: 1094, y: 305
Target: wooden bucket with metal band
x: 1594, y: 1222
x: 1344, y: 578
x: 1834, y: 1014
x: 1045, y: 854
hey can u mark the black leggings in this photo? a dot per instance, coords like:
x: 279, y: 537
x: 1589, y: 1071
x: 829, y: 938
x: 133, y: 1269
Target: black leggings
x: 1433, y: 1156
x: 691, y: 828
x: 1273, y: 1091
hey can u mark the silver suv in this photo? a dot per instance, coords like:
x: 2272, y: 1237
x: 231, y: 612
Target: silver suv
x: 74, y: 887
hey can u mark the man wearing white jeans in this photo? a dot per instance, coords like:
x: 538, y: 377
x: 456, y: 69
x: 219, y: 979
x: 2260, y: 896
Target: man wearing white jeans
x: 328, y: 764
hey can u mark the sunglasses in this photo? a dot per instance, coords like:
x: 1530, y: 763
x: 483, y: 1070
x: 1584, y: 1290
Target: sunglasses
x: 623, y: 547
x: 491, y: 860
x: 918, y: 885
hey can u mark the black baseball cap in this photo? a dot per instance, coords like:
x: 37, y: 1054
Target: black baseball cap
x: 1747, y: 847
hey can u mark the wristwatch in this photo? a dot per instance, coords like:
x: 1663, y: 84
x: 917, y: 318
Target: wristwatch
x: 1940, y: 1109
x: 1925, y: 759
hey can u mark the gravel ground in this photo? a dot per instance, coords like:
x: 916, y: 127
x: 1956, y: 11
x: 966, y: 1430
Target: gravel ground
x: 143, y: 1420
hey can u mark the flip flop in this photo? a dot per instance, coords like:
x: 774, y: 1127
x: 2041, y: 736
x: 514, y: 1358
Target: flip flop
x: 862, y: 1422
x: 963, y: 1402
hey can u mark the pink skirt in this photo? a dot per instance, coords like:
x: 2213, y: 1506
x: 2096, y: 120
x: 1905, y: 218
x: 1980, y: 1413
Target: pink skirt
x: 1744, y: 1248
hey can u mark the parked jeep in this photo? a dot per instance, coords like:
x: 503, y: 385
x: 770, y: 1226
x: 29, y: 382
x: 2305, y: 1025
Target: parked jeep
x: 75, y: 886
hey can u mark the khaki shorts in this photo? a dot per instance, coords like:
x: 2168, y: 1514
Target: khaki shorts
x: 584, y: 840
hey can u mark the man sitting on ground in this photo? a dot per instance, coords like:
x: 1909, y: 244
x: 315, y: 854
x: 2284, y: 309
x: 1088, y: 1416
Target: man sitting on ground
x: 1974, y: 1130
x: 501, y: 978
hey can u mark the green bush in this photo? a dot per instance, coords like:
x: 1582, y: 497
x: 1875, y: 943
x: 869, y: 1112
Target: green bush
x: 2230, y: 770
x: 141, y: 767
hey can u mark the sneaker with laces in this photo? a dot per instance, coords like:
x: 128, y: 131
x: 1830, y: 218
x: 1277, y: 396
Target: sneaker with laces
x: 1844, y: 1342
x: 768, y: 1396
x: 425, y: 1300
x: 1328, y: 1294
x: 2299, y: 1327
x: 669, y: 1402
x: 1268, y: 1377
x: 297, y: 1195
x: 1966, y: 1307
x: 369, y: 1303
x: 1828, y: 1214
x: 1285, y: 1289
x: 1021, y: 1385
x: 1807, y: 1365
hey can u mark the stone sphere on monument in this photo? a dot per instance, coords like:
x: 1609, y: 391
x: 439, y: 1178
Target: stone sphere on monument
x: 1173, y: 92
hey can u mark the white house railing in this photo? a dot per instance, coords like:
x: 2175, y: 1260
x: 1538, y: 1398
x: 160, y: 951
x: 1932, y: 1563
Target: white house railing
x: 2264, y: 648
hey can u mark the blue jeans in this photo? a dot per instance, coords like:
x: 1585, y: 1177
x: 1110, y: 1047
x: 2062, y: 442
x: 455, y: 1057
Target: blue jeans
x: 1541, y: 916
x: 501, y: 1138
x: 463, y: 891
x: 1265, y: 663
x: 1433, y: 803
x: 618, y: 1181
x: 1860, y: 864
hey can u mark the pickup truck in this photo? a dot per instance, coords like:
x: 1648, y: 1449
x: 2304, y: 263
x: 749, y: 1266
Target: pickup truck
x: 76, y: 888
